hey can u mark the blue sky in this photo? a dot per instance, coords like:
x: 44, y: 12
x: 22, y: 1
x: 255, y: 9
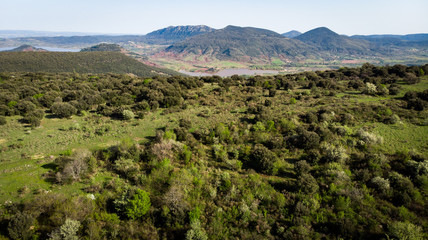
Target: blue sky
x: 140, y: 17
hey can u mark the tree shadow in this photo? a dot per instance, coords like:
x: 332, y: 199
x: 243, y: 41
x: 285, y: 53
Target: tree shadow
x: 51, y: 166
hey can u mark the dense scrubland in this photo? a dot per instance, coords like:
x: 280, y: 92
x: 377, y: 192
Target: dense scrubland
x: 316, y: 155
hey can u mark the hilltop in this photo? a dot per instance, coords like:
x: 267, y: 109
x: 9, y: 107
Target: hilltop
x: 80, y: 62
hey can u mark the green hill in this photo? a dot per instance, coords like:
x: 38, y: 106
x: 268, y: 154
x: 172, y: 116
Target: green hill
x: 242, y: 44
x: 81, y: 62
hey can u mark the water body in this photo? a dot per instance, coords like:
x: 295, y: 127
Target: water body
x: 231, y: 72
x: 51, y: 49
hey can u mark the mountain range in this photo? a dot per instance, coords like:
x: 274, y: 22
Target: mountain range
x: 247, y: 44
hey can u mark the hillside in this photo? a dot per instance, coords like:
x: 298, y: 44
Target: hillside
x: 81, y: 62
x: 326, y: 40
x: 241, y: 44
x: 27, y: 48
x: 313, y: 155
x: 103, y: 47
x: 174, y: 34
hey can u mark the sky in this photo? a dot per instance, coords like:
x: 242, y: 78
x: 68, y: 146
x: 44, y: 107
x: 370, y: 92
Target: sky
x: 349, y: 17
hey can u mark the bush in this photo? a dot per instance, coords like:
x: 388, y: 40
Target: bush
x: 63, y: 110
x: 127, y: 114
x: 20, y: 226
x: 264, y: 160
x: 405, y: 231
x: 139, y: 205
x: 34, y: 118
x: 2, y: 120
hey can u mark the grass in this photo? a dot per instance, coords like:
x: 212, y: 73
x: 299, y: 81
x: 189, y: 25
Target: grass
x: 403, y: 136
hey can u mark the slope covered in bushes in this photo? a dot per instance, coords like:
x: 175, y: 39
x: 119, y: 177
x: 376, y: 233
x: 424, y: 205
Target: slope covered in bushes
x: 302, y: 156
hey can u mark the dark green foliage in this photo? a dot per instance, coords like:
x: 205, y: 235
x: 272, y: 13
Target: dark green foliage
x: 263, y: 160
x: 34, y: 117
x: 21, y: 226
x: 63, y: 110
x: 3, y: 120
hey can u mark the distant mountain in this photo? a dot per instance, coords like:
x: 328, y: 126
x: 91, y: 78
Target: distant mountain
x: 174, y: 34
x: 291, y: 34
x: 326, y: 40
x: 80, y: 62
x: 241, y: 44
x: 27, y: 48
x: 103, y: 47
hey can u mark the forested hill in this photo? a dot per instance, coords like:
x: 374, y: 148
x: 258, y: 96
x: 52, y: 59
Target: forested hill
x: 242, y: 43
x: 81, y: 62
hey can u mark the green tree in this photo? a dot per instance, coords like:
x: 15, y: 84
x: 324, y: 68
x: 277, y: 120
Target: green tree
x: 139, y: 205
x: 63, y: 110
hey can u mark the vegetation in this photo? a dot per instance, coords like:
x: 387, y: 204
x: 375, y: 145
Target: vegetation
x: 315, y: 155
x: 103, y: 47
x: 82, y: 62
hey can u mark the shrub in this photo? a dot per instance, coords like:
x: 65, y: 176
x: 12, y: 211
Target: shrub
x: 139, y: 205
x: 20, y: 226
x: 264, y: 160
x: 2, y: 120
x: 405, y: 231
x: 370, y: 89
x: 127, y: 114
x: 63, y: 110
x: 25, y: 107
x: 34, y: 118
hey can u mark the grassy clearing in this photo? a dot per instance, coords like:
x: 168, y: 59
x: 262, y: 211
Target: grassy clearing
x: 402, y: 137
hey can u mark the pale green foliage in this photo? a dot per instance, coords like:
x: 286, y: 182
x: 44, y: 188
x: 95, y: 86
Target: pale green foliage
x: 196, y: 231
x: 367, y: 138
x: 405, y: 231
x: 68, y: 231
x: 334, y: 153
x: 126, y: 166
x: 128, y: 114
x: 381, y: 184
x: 370, y: 89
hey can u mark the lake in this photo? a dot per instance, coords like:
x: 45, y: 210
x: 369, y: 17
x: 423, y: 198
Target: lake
x: 231, y: 72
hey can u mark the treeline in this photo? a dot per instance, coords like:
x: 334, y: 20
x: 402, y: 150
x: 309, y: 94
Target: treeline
x: 319, y: 174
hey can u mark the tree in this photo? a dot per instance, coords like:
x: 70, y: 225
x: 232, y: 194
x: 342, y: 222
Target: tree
x: 139, y: 205
x: 263, y: 159
x: 63, y: 110
x: 20, y: 226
